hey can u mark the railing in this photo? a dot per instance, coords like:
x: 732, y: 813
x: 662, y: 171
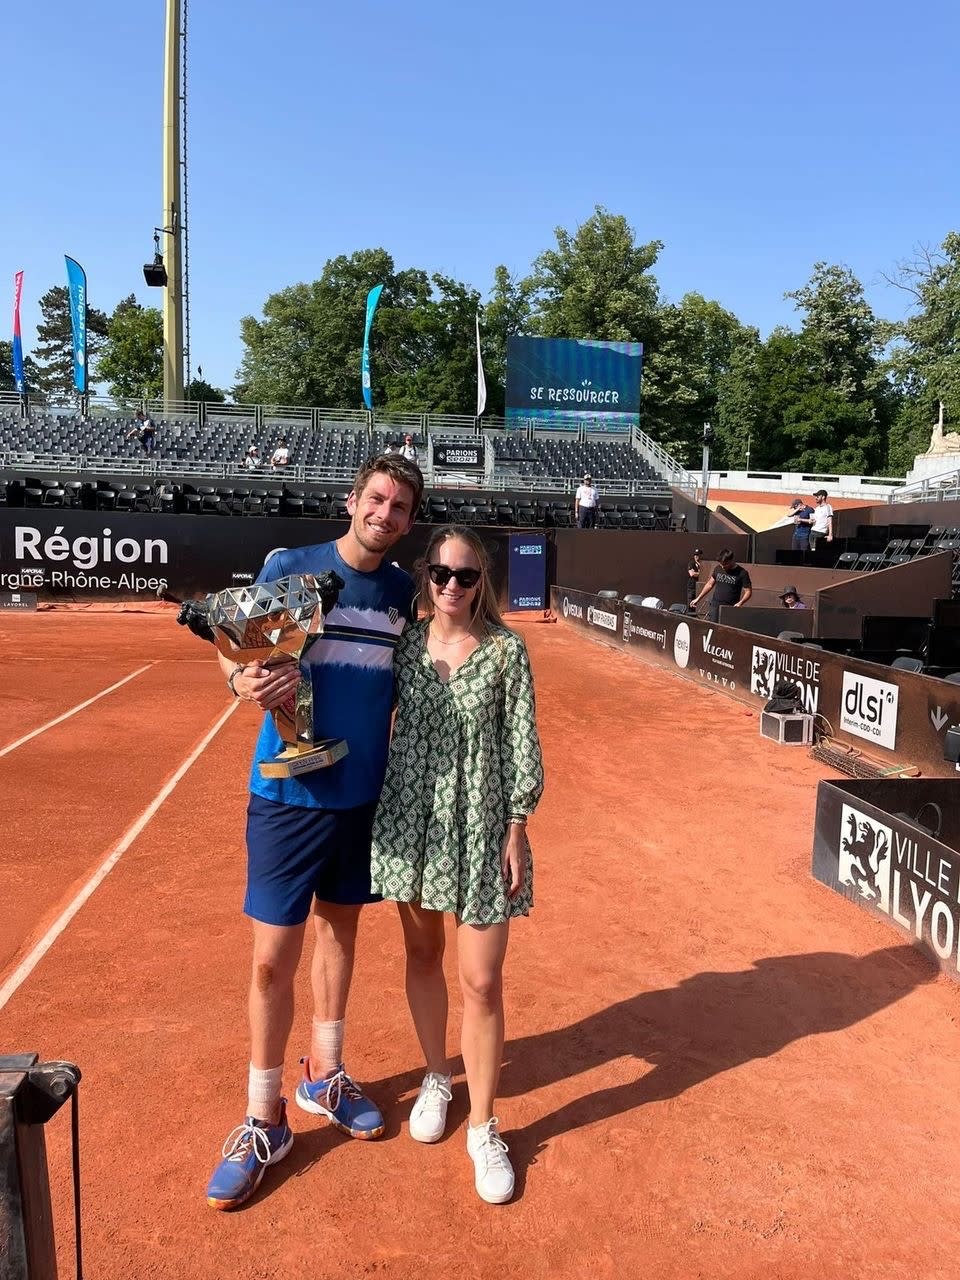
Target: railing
x: 875, y: 488
x: 172, y: 469
x: 672, y: 471
x: 940, y: 488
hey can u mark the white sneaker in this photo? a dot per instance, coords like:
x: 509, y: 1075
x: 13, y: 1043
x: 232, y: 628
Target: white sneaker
x: 493, y: 1170
x: 429, y: 1115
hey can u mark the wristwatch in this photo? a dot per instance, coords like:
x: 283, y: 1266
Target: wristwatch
x: 240, y: 667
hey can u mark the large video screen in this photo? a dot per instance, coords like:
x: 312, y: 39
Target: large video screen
x: 569, y: 380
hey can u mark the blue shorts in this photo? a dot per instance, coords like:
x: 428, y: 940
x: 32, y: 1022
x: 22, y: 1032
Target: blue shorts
x: 296, y: 854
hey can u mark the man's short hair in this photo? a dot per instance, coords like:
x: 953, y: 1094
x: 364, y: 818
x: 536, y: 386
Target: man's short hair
x: 820, y: 493
x: 726, y: 554
x: 398, y: 468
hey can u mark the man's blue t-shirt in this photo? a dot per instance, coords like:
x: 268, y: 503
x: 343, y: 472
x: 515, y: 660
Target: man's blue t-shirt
x: 801, y: 532
x: 351, y: 669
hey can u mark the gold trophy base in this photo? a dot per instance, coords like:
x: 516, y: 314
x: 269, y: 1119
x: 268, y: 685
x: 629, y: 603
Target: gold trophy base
x: 296, y: 760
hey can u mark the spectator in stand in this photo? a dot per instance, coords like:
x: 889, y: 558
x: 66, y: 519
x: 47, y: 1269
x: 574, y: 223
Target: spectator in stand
x: 280, y: 457
x: 409, y: 450
x: 144, y: 431
x: 586, y: 503
x: 790, y: 598
x: 251, y: 459
x: 821, y: 526
x: 802, y: 520
x: 729, y: 583
x: 693, y: 574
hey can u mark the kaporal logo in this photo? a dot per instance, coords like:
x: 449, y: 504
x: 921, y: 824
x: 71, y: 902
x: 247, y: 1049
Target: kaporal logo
x: 716, y: 651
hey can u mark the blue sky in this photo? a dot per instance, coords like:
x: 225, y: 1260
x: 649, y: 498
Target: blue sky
x: 751, y: 138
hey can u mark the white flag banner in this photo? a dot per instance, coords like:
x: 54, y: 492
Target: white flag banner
x: 481, y: 380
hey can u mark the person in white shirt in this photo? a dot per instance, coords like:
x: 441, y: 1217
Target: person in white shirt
x: 409, y: 450
x: 280, y: 456
x: 585, y: 504
x: 821, y: 526
x: 252, y: 459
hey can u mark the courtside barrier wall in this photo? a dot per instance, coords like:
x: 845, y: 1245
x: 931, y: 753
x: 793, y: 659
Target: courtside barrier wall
x: 86, y: 556
x: 891, y: 848
x: 894, y: 716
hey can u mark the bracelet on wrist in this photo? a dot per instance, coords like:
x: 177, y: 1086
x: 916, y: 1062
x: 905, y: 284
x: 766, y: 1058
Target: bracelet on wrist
x: 517, y: 820
x: 238, y: 670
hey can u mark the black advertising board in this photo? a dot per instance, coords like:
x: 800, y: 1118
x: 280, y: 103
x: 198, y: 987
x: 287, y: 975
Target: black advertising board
x: 458, y: 456
x: 83, y: 556
x: 893, y: 716
x: 890, y: 847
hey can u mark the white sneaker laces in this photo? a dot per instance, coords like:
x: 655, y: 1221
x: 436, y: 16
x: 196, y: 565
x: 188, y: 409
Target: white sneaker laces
x: 432, y: 1092
x: 492, y: 1146
x: 244, y: 1139
x: 341, y: 1084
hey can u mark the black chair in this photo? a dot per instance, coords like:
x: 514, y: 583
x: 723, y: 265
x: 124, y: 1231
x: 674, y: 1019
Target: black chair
x: 191, y: 502
x: 612, y: 519
x: 210, y: 504
x: 793, y: 637
x: 614, y: 595
x: 271, y: 505
x: 869, y: 561
x: 679, y: 608
x: 106, y: 499
x: 53, y: 498
x: 630, y: 520
x: 526, y: 516
x: 252, y: 506
x: 906, y: 663
x: 293, y: 505
x: 953, y: 677
x: 126, y: 500
x: 506, y: 514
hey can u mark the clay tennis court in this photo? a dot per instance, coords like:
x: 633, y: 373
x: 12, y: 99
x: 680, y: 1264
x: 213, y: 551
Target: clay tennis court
x: 714, y: 1066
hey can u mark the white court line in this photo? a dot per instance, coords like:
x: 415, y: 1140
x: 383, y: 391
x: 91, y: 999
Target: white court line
x: 33, y: 958
x: 73, y: 710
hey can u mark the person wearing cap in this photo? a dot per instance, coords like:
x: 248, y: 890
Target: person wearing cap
x: 790, y: 598
x: 252, y: 459
x: 821, y: 526
x: 802, y: 519
x: 693, y: 574
x: 409, y: 450
x: 586, y: 503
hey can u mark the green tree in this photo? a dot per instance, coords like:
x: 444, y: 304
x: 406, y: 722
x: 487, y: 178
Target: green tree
x: 596, y: 283
x: 54, y: 351
x: 131, y: 361
x: 7, y: 381
x: 506, y: 314
x: 306, y: 348
x: 197, y: 389
x: 845, y: 415
x: 925, y: 359
x: 691, y: 347
x: 440, y: 372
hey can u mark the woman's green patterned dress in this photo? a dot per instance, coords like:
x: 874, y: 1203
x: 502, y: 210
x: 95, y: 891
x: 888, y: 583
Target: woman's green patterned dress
x: 464, y: 756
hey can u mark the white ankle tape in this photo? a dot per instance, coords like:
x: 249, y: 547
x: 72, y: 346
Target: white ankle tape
x: 264, y: 1087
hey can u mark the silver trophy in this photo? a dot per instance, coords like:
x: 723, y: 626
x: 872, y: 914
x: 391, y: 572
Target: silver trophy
x: 270, y: 622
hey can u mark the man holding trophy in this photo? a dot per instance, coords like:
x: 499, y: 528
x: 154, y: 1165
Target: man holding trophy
x: 317, y: 772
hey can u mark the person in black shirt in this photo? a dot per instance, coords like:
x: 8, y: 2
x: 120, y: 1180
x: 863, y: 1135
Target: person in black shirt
x: 693, y: 574
x: 730, y: 584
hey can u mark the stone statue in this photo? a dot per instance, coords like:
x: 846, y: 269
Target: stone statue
x: 941, y: 442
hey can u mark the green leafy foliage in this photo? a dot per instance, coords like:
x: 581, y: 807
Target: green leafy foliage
x: 54, y: 351
x: 131, y: 360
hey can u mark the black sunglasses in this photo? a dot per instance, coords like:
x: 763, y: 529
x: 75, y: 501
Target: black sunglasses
x: 440, y: 575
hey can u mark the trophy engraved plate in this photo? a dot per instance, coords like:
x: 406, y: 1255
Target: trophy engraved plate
x: 272, y: 622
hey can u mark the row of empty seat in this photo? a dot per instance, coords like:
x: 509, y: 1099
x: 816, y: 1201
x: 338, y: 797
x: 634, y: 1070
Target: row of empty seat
x: 283, y: 499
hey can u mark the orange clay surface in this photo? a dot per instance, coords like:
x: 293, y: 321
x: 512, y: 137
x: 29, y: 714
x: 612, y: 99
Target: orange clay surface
x: 714, y: 1066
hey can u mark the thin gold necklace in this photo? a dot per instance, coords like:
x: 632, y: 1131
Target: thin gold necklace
x: 433, y: 633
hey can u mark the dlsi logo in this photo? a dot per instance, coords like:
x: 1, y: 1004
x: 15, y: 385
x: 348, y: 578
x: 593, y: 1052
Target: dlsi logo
x: 868, y: 709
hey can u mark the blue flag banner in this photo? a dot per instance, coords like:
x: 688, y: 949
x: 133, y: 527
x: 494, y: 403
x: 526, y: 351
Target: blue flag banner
x: 77, y: 285
x: 373, y: 297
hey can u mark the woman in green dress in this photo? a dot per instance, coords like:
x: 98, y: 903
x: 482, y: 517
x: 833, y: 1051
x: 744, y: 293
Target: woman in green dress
x: 465, y: 772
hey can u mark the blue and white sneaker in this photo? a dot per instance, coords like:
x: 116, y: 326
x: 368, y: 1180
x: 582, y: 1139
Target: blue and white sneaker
x: 341, y: 1101
x: 246, y: 1153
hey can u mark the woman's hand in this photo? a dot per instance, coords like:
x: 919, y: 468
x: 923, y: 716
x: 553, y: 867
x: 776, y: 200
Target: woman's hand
x: 513, y: 858
x: 268, y: 687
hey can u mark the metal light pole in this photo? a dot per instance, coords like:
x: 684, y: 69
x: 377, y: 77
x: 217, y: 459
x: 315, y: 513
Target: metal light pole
x: 705, y: 477
x: 172, y: 221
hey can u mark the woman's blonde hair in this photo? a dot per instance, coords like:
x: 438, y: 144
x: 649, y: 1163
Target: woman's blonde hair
x: 484, y: 608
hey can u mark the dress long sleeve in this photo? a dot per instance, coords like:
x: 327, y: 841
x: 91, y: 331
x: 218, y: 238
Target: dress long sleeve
x: 521, y: 760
